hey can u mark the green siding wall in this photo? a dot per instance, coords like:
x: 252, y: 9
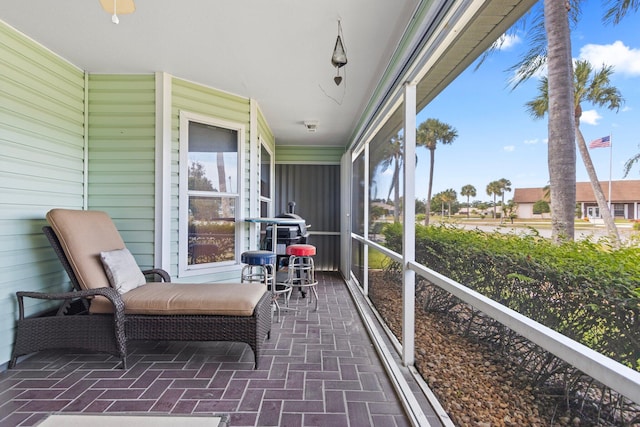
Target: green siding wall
x: 265, y: 131
x: 41, y: 167
x: 308, y: 155
x: 194, y: 98
x: 122, y: 157
x: 42, y: 161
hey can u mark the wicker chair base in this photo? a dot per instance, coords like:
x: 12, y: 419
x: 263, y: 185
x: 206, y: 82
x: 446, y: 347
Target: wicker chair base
x: 251, y: 330
x: 97, y: 333
x: 78, y: 332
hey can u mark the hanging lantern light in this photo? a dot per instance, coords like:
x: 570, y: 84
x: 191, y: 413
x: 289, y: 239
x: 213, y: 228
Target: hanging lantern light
x: 339, y: 57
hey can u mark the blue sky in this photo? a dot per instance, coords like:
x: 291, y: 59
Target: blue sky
x: 498, y: 139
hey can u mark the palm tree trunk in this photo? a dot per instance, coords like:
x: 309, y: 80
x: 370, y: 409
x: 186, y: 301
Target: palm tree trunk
x: 468, y: 207
x: 609, y: 223
x: 561, y: 147
x: 395, y: 189
x: 430, y: 186
x: 396, y: 198
x: 495, y: 215
x: 222, y: 183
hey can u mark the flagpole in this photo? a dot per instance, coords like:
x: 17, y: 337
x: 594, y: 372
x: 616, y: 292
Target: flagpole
x: 610, y: 164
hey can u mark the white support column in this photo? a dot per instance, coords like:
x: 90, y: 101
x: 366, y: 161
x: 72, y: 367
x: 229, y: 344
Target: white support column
x: 254, y: 170
x: 85, y: 150
x: 162, y: 251
x: 346, y: 179
x: 409, y: 224
x: 365, y: 255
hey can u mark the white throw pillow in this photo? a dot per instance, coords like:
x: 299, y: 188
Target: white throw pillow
x: 122, y: 270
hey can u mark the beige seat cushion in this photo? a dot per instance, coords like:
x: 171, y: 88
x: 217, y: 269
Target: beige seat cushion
x: 83, y: 235
x: 231, y: 299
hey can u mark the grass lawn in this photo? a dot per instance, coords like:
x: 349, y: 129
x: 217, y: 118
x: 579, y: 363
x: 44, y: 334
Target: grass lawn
x: 377, y: 259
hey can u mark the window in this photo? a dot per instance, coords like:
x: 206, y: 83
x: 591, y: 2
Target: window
x: 618, y: 210
x: 209, y: 193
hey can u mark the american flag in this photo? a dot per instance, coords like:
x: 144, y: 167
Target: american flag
x: 603, y: 142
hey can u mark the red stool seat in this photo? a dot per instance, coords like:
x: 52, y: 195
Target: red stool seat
x: 301, y: 250
x: 302, y: 270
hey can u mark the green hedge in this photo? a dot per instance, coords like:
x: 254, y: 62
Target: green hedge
x: 585, y: 290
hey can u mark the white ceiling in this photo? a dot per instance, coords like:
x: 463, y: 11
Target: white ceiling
x: 275, y: 51
x: 278, y: 52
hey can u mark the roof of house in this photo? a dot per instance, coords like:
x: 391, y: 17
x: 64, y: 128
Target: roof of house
x: 623, y: 191
x: 528, y: 195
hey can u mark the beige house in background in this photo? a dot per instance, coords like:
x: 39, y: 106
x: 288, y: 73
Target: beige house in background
x: 625, y: 197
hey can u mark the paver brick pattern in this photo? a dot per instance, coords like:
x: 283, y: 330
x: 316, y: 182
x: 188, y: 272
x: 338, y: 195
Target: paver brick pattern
x: 318, y: 368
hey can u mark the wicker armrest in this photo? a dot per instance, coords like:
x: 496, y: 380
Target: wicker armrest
x: 158, y: 272
x: 109, y: 293
x: 83, y: 331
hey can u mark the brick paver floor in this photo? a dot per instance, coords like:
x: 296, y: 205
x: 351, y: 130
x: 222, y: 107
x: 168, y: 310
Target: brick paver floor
x: 318, y: 368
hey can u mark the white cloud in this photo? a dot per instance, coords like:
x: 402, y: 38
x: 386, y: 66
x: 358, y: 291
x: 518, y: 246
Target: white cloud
x: 624, y: 59
x: 625, y: 109
x: 590, y: 117
x: 509, y: 148
x: 531, y: 141
x: 506, y: 41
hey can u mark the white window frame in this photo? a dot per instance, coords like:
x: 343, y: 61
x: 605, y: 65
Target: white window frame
x: 268, y: 200
x: 185, y: 270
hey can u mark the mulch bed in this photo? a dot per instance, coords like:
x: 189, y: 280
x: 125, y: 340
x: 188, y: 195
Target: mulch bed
x: 473, y: 384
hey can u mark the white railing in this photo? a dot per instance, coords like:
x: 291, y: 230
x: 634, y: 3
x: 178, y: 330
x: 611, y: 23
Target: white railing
x: 614, y: 375
x: 607, y: 371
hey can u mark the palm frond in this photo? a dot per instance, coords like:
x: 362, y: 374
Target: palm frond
x: 629, y: 164
x: 618, y: 9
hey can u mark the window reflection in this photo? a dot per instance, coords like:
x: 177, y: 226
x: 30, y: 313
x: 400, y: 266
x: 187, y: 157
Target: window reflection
x: 211, y: 230
x: 212, y: 186
x: 386, y: 168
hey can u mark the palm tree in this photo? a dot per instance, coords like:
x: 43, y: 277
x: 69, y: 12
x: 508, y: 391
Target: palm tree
x: 449, y: 196
x: 550, y: 44
x: 505, y: 185
x: 392, y: 157
x: 596, y: 88
x: 468, y: 191
x: 561, y: 155
x: 429, y: 133
x: 494, y: 188
x: 553, y: 48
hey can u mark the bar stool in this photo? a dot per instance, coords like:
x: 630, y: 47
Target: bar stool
x: 260, y: 267
x: 302, y: 269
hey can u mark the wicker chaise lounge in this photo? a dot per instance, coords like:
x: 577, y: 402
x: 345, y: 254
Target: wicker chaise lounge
x: 103, y: 312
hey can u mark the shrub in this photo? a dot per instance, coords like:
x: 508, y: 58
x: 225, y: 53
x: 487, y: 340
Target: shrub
x: 585, y: 290
x: 540, y: 207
